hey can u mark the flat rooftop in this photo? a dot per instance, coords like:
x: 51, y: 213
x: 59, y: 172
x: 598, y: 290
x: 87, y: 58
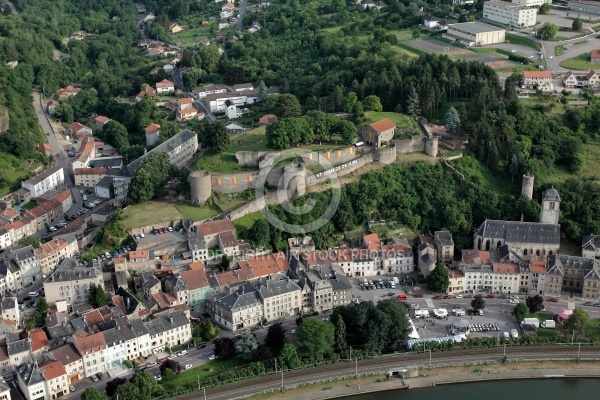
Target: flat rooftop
x: 475, y: 27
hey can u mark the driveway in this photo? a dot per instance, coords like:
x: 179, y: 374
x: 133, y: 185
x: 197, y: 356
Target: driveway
x: 240, y: 21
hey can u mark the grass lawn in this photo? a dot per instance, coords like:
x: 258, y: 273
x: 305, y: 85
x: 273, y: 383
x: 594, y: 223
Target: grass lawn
x: 225, y: 163
x: 14, y: 170
x: 401, y: 120
x: 546, y: 332
x: 148, y: 213
x: 202, y: 372
x: 189, y: 37
x: 592, y: 329
x: 252, y: 140
x: 542, y: 316
x: 591, y: 169
x: 194, y: 213
x: 248, y: 220
x: 581, y: 62
x: 522, y: 41
x: 479, y: 173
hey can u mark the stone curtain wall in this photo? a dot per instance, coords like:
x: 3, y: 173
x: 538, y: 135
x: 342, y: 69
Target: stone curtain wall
x: 233, y: 183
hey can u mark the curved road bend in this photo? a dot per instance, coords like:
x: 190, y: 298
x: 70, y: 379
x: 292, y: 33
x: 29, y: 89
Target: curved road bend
x: 332, y: 371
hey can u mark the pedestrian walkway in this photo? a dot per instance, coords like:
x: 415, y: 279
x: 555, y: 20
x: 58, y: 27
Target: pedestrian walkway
x: 429, y: 302
x: 355, y: 387
x: 117, y: 371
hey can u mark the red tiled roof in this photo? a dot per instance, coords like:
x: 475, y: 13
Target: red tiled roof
x: 196, y: 265
x: 595, y: 53
x: 76, y: 127
x: 165, y: 83
x: 537, y: 74
x: 195, y: 279
x: 591, y: 73
x: 455, y: 273
x: 383, y: 125
x: 372, y: 241
x: 210, y: 228
x: 51, y: 247
x: 39, y: 340
x: 90, y: 171
x: 152, y: 128
x: 138, y: 254
x: 102, y: 119
x: 44, y: 148
x: 185, y: 100
x: 93, y: 318
x: 188, y: 111
x: 83, y: 341
x: 500, y: 268
x: 63, y: 196
x: 52, y: 370
x: 267, y: 119
x: 537, y: 267
x: 87, y: 145
x: 10, y: 213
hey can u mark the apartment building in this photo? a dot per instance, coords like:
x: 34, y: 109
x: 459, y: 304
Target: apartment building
x: 321, y: 291
x: 136, y: 336
x: 10, y: 277
x: 506, y: 278
x: 50, y: 179
x: 32, y: 382
x: 18, y: 350
x: 588, y: 7
x: 55, y: 377
x: 197, y: 287
x: 239, y: 310
x: 538, y: 274
x: 169, y: 330
x: 71, y: 360
x: 115, y: 352
x: 51, y: 253
x: 91, y: 348
x: 165, y: 86
x: 573, y: 274
x: 457, y: 281
x: 26, y: 261
x: 509, y: 14
x: 89, y: 177
x: 280, y: 299
x: 479, y: 278
x: 71, y: 283
x: 532, y: 3
x: 180, y: 149
x: 444, y: 245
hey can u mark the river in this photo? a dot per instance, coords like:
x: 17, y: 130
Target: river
x: 526, y: 389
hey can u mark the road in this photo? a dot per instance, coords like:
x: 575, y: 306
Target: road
x: 197, y: 103
x: 240, y: 21
x: 385, y: 363
x: 12, y: 7
x: 549, y: 48
x: 59, y: 152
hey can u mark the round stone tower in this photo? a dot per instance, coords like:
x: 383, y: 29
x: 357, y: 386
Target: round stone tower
x: 294, y: 180
x: 201, y: 187
x: 527, y: 187
x: 431, y: 146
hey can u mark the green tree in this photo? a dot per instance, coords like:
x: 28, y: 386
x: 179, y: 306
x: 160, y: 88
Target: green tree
x: 29, y: 323
x: 577, y: 24
x: 339, y: 330
x: 173, y: 365
x: 168, y: 374
x: 92, y: 394
x: 246, y: 345
x: 575, y: 325
x: 115, y: 134
x: 128, y: 392
x: 535, y: 303
x: 545, y: 8
x: 262, y: 92
x: 288, y: 357
x: 275, y: 338
x: 452, y: 120
x: 438, y: 281
x: 287, y: 106
x: 413, y: 107
x: 30, y: 241
x: 372, y: 102
x: 337, y: 5
x: 97, y: 295
x: 209, y: 57
x: 547, y: 31
x: 478, y: 303
x: 216, y: 137
x: 207, y: 330
x: 112, y: 385
x: 150, y: 177
x: 147, y: 386
x: 235, y: 76
x: 315, y: 338
x: 520, y: 311
x: 347, y: 131
x: 349, y: 102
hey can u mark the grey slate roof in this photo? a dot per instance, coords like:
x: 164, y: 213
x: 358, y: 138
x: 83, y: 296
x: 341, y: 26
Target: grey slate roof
x: 29, y: 374
x: 17, y: 347
x: 69, y: 270
x: 23, y: 253
x: 166, y: 323
x: 591, y: 242
x: 60, y: 331
x: 428, y: 259
x: 520, y: 232
x: 129, y: 300
x: 106, y: 326
x: 9, y: 302
x: 107, y: 162
x: 551, y: 195
x: 66, y: 354
x: 113, y: 337
x: 79, y: 324
x: 150, y: 283
x: 164, y: 147
x: 276, y: 288
x: 177, y: 283
x: 245, y: 296
x: 444, y: 237
x: 138, y: 327
x: 557, y: 263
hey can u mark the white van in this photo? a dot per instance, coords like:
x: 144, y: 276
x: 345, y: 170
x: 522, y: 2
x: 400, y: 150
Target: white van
x: 33, y: 294
x: 514, y: 334
x: 84, y: 197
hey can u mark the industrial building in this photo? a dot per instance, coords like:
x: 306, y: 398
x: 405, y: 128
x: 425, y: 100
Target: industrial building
x: 475, y: 34
x: 509, y: 14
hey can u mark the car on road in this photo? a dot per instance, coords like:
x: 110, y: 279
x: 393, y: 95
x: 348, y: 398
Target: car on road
x: 326, y: 319
x: 74, y: 216
x: 158, y: 378
x: 99, y: 375
x: 490, y: 296
x: 447, y: 297
x: 550, y: 56
x: 438, y: 297
x: 530, y: 57
x: 589, y: 303
x: 458, y: 296
x: 418, y: 296
x: 514, y: 301
x: 71, y: 388
x: 170, y: 229
x: 94, y: 378
x: 188, y: 366
x: 213, y: 357
x: 172, y: 357
x: 553, y: 300
x: 506, y: 336
x: 182, y: 353
x: 202, y: 345
x: 151, y: 364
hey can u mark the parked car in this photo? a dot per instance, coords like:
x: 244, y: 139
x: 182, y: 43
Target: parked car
x: 151, y: 364
x: 188, y: 366
x: 202, y: 345
x: 554, y: 300
x: 94, y: 378
x: 170, y: 229
x: 459, y: 296
x: 418, y: 296
x: 514, y: 301
x: 490, y: 296
x: 99, y: 375
x: 213, y: 357
x: 506, y: 336
x: 71, y: 388
x: 158, y: 378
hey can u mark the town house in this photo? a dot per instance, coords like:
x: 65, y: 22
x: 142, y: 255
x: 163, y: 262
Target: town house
x: 91, y: 348
x: 70, y: 359
x: 379, y: 133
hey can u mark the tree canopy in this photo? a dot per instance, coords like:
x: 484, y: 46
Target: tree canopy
x: 315, y: 339
x: 150, y: 177
x: 478, y: 303
x: 438, y: 281
x: 575, y: 325
x: 535, y: 303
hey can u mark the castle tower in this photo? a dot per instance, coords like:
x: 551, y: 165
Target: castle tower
x: 527, y: 187
x: 294, y: 180
x: 201, y: 187
x: 550, y: 207
x: 431, y: 146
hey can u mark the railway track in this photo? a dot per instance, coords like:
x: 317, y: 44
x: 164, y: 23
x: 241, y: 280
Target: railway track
x: 384, y: 363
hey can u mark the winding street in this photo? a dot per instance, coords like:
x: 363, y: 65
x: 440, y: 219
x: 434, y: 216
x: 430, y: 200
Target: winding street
x: 396, y: 361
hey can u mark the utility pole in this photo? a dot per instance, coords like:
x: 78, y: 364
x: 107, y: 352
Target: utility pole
x: 579, y: 350
x: 430, y: 357
x: 281, y: 381
x: 350, y: 358
x: 504, y: 349
x: 204, y: 390
x: 356, y: 368
x: 198, y: 382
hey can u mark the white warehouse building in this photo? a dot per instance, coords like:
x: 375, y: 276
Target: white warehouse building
x: 509, y: 14
x: 475, y: 34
